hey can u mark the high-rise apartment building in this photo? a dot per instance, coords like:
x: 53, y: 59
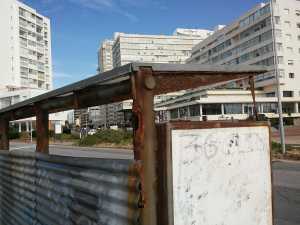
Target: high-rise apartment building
x: 25, y: 56
x: 174, y: 48
x: 25, y: 44
x: 105, y: 59
x: 269, y: 35
x: 127, y: 48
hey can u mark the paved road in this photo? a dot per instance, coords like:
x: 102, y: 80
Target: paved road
x: 286, y: 178
x: 109, y: 153
x: 286, y: 193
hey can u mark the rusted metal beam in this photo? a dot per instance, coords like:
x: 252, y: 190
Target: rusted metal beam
x: 4, y: 134
x: 42, y: 131
x: 145, y: 141
x: 172, y: 82
x: 252, y: 87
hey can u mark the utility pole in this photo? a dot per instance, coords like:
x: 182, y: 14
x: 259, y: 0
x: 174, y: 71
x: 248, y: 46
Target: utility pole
x: 281, y: 125
x: 31, y: 130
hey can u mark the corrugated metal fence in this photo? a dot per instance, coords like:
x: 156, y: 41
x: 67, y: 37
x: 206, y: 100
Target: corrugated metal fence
x: 37, y: 189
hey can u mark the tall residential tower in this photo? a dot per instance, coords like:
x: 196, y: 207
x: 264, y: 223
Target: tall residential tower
x: 25, y: 43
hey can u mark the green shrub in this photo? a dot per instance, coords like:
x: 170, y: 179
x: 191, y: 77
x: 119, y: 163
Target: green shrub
x: 64, y: 136
x: 24, y: 135
x: 276, y: 147
x: 107, y: 136
x: 13, y: 134
x: 88, y: 141
x: 114, y: 136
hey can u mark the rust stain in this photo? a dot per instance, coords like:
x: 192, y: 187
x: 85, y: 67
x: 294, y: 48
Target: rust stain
x: 134, y: 180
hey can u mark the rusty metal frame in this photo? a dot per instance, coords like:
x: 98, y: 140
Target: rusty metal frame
x: 137, y: 81
x: 165, y: 207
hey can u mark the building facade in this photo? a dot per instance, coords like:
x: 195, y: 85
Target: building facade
x: 267, y: 35
x: 25, y: 44
x: 129, y: 48
x: 105, y: 59
x: 25, y: 56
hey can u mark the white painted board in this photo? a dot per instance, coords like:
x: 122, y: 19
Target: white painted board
x: 222, y: 176
x: 57, y: 128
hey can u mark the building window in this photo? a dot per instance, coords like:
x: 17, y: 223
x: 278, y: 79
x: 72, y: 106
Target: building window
x: 298, y: 25
x: 22, y: 12
x: 288, y: 94
x: 290, y: 62
x: 278, y: 33
x: 287, y: 23
x: 297, y: 12
x: 270, y: 94
x: 286, y: 11
x: 183, y: 112
x: 288, y: 107
x: 211, y: 109
x: 280, y: 59
x: 279, y: 46
x: 292, y: 75
x: 194, y: 110
x: 288, y: 37
x: 233, y: 108
x: 290, y: 50
x: 281, y: 73
x: 277, y: 20
x: 269, y: 107
x: 174, y: 113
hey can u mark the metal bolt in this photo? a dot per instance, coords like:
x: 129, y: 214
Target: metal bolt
x: 150, y: 82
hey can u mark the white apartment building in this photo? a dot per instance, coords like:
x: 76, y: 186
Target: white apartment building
x: 25, y: 56
x: 249, y: 40
x: 174, y: 48
x: 25, y: 44
x: 129, y: 48
x: 105, y: 59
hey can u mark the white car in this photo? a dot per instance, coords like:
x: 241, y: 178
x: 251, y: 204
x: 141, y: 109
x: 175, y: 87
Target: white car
x: 92, y: 132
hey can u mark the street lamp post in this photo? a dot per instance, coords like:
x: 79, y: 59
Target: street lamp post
x: 281, y: 125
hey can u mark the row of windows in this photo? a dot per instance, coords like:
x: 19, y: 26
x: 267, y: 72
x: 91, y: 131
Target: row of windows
x: 26, y: 33
x: 242, y: 47
x: 25, y: 71
x: 257, y: 27
x: 230, y: 109
x: 26, y: 23
x: 26, y: 14
x: 248, y: 56
x: 256, y: 15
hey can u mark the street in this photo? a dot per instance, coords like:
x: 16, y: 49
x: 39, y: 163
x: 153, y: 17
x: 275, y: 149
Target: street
x: 286, y: 193
x: 74, y: 151
x: 286, y: 190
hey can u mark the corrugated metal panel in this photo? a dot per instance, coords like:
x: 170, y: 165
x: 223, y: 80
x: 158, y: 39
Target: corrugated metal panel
x: 54, y: 190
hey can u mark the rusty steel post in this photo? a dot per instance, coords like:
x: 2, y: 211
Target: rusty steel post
x: 145, y: 141
x: 42, y: 131
x: 4, y: 137
x: 252, y: 87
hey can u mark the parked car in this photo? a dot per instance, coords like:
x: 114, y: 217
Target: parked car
x: 92, y: 131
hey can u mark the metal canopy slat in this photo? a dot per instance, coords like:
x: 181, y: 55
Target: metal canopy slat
x: 123, y: 73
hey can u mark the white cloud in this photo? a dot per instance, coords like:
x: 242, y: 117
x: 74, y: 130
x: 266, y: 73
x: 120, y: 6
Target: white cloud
x: 94, y: 4
x: 101, y: 5
x: 61, y: 75
x: 115, y: 6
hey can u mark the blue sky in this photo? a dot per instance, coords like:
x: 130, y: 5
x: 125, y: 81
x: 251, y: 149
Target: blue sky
x: 79, y: 26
